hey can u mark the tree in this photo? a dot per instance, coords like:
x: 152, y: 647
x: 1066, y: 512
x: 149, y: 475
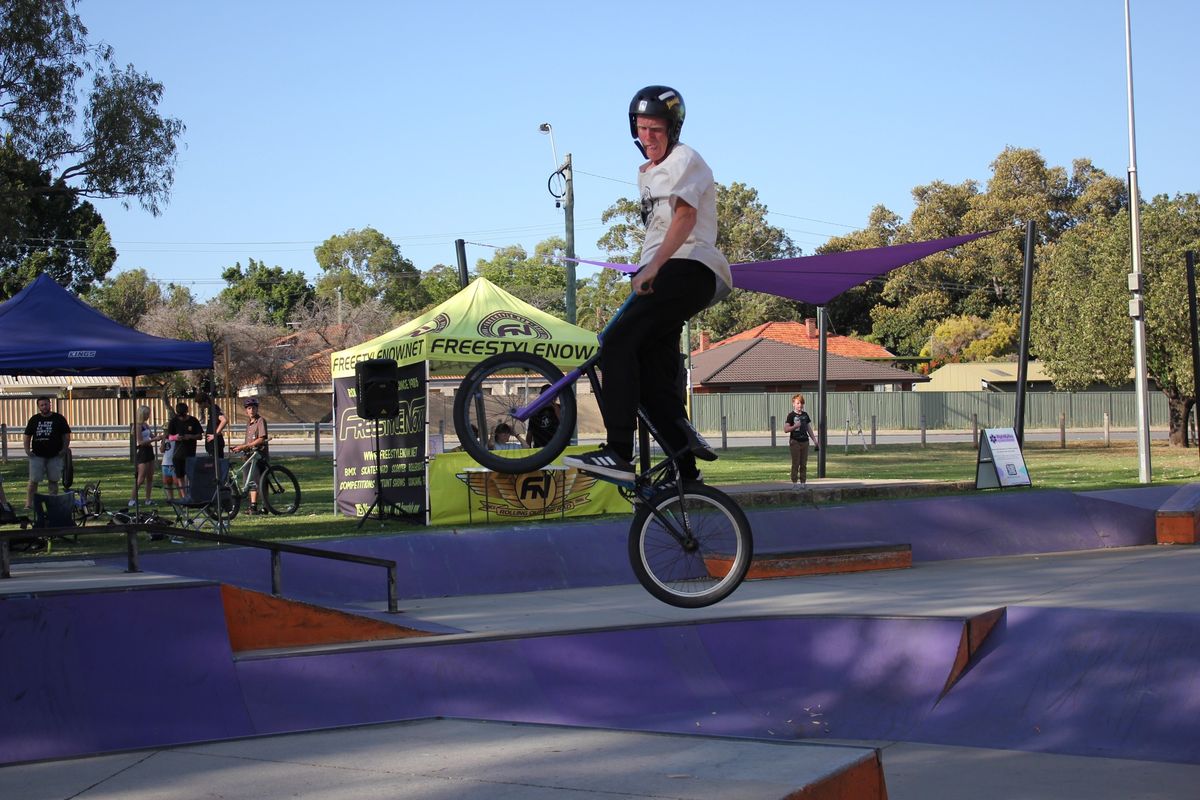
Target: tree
x: 540, y: 280
x: 599, y: 297
x: 363, y: 265
x: 277, y: 293
x: 127, y: 297
x: 55, y: 233
x: 440, y: 283
x: 113, y: 143
x: 1081, y: 327
x: 984, y: 276
x: 970, y: 338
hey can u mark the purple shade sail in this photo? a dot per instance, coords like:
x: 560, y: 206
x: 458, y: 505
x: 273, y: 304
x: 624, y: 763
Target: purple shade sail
x: 819, y: 279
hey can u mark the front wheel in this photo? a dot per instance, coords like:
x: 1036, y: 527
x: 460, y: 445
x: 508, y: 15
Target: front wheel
x: 280, y: 490
x: 488, y: 398
x: 692, y: 550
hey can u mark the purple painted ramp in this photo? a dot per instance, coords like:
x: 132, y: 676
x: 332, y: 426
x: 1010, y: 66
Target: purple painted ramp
x: 1085, y: 682
x: 575, y: 555
x: 969, y: 526
x: 438, y: 564
x: 92, y: 672
x: 775, y: 678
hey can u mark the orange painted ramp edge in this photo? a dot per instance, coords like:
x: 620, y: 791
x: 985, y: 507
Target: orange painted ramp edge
x: 258, y: 621
x: 860, y: 781
x: 975, y: 632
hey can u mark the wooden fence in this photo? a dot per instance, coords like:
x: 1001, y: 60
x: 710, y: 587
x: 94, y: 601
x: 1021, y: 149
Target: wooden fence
x: 92, y: 412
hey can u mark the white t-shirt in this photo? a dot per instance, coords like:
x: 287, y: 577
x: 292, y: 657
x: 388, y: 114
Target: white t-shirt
x: 683, y: 175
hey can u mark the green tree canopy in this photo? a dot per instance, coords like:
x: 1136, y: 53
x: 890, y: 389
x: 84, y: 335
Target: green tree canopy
x: 126, y: 297
x: 540, y: 280
x: 984, y: 276
x: 275, y: 292
x: 364, y: 264
x: 970, y: 338
x: 55, y: 233
x: 440, y: 283
x: 1080, y: 326
x: 111, y: 143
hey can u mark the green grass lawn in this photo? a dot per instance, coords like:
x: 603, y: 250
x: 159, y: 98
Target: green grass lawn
x: 1080, y: 466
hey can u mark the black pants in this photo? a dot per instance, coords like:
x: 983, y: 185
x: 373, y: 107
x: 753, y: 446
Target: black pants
x: 639, y: 357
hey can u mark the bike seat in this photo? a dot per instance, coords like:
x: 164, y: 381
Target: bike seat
x: 696, y: 443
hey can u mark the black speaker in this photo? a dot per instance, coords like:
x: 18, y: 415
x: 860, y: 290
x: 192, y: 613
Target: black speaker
x: 378, y: 389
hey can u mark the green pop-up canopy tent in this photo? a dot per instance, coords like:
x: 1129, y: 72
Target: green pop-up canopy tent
x: 480, y: 321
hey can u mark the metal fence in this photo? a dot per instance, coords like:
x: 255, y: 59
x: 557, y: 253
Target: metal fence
x: 751, y: 413
x: 106, y: 419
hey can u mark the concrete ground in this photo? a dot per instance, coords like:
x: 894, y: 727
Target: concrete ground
x: 447, y: 758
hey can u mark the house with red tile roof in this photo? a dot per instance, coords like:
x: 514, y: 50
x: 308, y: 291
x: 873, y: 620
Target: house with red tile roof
x: 766, y: 365
x: 805, y: 334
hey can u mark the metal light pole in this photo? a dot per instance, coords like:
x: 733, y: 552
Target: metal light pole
x: 565, y: 200
x: 1136, y: 302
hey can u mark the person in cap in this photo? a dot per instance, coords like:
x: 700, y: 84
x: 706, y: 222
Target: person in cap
x: 255, y: 440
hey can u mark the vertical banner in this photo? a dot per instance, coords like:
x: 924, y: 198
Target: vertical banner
x: 399, y: 462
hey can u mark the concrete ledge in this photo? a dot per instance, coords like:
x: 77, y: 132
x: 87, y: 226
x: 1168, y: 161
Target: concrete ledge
x: 1177, y: 521
x: 851, y: 557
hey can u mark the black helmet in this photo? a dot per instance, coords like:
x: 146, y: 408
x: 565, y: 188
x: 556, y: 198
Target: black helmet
x: 657, y: 101
x: 250, y: 401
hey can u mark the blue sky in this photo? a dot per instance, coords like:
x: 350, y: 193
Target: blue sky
x: 306, y: 119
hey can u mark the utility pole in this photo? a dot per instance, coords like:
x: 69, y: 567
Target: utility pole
x: 569, y: 212
x: 565, y: 201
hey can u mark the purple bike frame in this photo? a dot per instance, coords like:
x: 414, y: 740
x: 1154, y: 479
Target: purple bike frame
x: 547, y: 397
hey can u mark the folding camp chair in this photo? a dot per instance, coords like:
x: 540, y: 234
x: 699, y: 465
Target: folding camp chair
x: 198, y: 509
x: 50, y: 511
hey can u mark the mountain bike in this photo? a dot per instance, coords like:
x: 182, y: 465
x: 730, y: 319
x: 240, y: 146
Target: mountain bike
x: 690, y: 545
x: 278, y: 489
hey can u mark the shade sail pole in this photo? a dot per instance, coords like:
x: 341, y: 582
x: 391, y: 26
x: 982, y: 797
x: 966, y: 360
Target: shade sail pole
x: 822, y: 417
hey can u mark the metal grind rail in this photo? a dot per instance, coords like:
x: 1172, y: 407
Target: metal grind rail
x: 131, y: 549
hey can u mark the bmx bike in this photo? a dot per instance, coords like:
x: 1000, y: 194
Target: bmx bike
x: 690, y: 545
x: 278, y: 489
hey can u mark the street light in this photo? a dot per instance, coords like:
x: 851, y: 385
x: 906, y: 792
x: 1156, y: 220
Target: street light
x: 547, y: 128
x: 564, y: 199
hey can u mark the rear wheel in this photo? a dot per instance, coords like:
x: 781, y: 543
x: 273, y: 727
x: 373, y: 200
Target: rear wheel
x: 692, y: 550
x: 489, y: 397
x: 280, y: 490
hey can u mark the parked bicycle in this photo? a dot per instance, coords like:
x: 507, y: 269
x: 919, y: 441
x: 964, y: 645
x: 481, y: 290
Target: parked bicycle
x: 277, y: 488
x: 690, y: 544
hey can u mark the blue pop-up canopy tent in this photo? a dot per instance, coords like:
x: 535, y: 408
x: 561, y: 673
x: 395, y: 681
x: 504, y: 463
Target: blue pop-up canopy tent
x: 45, y: 330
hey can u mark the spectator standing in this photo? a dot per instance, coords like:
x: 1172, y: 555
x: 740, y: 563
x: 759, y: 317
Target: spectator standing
x: 256, y: 439
x: 184, y: 430
x: 143, y: 457
x: 215, y: 423
x: 798, y: 426
x: 168, y: 469
x: 47, y: 437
